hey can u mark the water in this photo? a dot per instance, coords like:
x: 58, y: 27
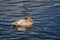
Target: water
x: 45, y: 13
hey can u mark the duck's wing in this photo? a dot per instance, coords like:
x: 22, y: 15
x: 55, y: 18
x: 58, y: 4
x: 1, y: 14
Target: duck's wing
x: 18, y: 22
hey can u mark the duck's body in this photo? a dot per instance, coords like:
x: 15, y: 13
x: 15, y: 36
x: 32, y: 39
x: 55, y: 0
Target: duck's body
x: 23, y: 24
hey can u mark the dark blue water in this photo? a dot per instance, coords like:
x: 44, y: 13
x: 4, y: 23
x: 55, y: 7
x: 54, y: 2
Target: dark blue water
x: 45, y: 13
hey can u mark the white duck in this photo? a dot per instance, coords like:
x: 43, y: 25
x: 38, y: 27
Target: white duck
x: 23, y: 24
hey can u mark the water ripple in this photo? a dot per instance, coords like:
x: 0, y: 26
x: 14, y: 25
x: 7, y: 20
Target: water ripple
x: 45, y: 13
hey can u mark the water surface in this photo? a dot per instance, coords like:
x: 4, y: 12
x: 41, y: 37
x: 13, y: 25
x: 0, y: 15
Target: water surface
x: 46, y: 16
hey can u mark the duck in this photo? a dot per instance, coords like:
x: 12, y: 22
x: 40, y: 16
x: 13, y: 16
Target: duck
x: 23, y: 24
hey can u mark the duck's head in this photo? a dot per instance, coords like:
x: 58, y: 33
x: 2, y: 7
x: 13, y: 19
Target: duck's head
x: 29, y: 19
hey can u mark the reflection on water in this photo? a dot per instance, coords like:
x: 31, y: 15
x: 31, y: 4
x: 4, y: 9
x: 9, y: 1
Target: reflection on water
x: 45, y: 14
